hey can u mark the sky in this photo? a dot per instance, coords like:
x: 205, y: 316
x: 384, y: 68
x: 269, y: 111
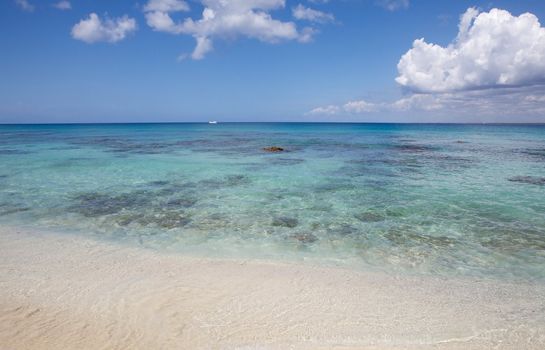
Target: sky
x: 72, y: 61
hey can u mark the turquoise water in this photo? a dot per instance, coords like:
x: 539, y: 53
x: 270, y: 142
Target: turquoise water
x: 437, y: 199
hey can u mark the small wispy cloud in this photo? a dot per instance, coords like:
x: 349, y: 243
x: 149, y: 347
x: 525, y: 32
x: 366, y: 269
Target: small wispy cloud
x: 393, y: 5
x: 325, y: 110
x: 351, y: 107
x: 301, y: 12
x: 63, y: 5
x: 25, y: 5
x: 523, y: 102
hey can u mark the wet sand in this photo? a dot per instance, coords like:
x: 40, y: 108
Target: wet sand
x: 61, y: 291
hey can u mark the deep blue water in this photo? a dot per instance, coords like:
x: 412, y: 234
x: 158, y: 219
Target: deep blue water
x: 439, y: 199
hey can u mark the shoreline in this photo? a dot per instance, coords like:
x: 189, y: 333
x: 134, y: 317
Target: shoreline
x: 62, y: 291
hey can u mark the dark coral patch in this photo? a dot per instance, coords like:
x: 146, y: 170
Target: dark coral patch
x: 285, y: 221
x: 273, y: 149
x: 94, y: 204
x: 369, y: 216
x: 305, y: 237
x: 532, y: 180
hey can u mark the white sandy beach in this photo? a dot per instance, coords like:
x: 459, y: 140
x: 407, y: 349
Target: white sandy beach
x: 68, y: 292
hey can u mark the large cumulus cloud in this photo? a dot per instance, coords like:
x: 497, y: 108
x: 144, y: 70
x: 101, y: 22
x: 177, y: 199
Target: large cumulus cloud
x: 220, y: 18
x: 492, y: 49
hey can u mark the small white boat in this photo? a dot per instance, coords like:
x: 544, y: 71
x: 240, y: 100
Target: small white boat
x: 212, y: 122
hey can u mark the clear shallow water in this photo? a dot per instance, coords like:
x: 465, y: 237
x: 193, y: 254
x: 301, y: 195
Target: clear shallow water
x: 439, y: 199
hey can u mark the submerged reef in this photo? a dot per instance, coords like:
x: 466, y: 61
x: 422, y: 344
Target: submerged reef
x: 285, y: 221
x: 305, y: 237
x: 535, y: 153
x: 94, y: 204
x: 273, y: 149
x: 413, y: 148
x: 8, y: 152
x: 167, y: 219
x: 370, y: 216
x: 532, y: 180
x: 12, y: 210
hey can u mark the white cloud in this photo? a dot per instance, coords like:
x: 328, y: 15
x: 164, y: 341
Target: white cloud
x: 204, y: 45
x: 301, y: 12
x: 351, y: 107
x: 508, y: 104
x: 94, y: 29
x: 393, y: 5
x: 166, y: 6
x: 535, y: 98
x: 327, y: 110
x: 162, y: 22
x: 493, y: 71
x: 225, y: 19
x: 63, y: 5
x: 492, y: 49
x: 423, y: 102
x: 25, y: 5
x: 518, y: 102
x: 360, y: 106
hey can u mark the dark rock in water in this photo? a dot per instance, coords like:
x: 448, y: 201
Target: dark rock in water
x: 236, y: 180
x: 12, y: 152
x: 305, y: 237
x: 64, y: 148
x: 512, y: 240
x: 216, y: 217
x: 228, y: 181
x: 286, y: 161
x: 273, y: 149
x: 532, y: 180
x: 172, y: 221
x: 126, y: 220
x: 285, y: 222
x: 335, y: 186
x: 316, y: 225
x: 345, y: 230
x: 182, y: 202
x: 120, y: 145
x: 158, y: 183
x: 173, y: 188
x: 404, y: 238
x: 369, y: 216
x: 460, y: 141
x: 413, y: 148
x: 211, y: 184
x: 537, y: 153
x: 168, y: 219
x: 94, y: 204
x: 13, y: 211
x: 342, y: 230
x: 451, y: 162
x: 406, y: 140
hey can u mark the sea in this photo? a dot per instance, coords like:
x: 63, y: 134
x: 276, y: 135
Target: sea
x: 439, y: 199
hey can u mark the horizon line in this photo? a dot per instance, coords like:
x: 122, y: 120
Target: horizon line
x: 273, y: 122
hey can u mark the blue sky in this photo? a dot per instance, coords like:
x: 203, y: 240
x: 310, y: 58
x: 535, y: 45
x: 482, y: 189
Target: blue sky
x: 336, y: 60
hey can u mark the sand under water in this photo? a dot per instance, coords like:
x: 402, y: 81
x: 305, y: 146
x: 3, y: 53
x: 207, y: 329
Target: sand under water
x: 61, y: 291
